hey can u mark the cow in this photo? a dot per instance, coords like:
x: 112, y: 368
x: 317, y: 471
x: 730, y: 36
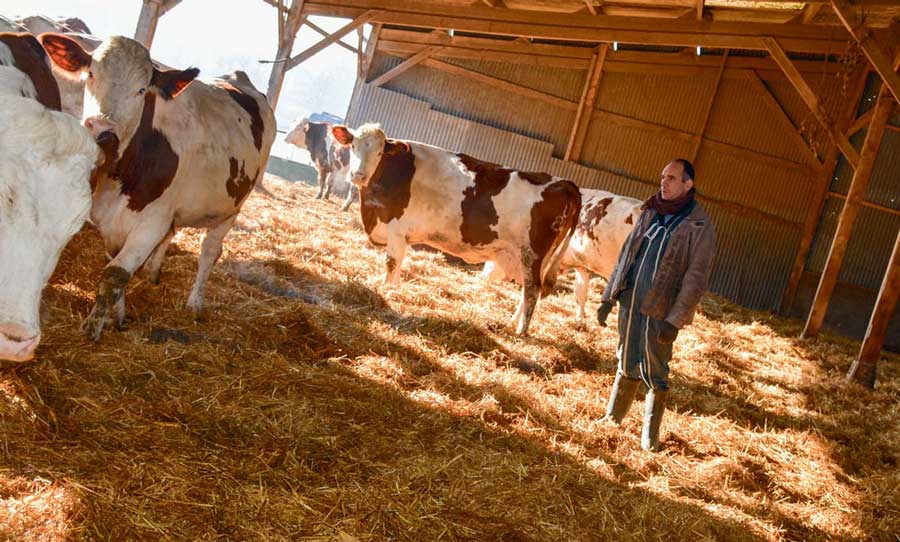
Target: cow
x: 604, y: 223
x: 411, y: 193
x: 331, y: 159
x: 46, y: 160
x: 22, y: 52
x: 180, y: 153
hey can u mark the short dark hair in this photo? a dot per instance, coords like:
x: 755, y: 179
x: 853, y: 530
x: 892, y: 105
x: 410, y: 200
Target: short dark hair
x: 688, y: 168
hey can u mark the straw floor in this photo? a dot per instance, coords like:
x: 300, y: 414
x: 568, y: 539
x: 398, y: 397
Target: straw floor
x: 311, y: 403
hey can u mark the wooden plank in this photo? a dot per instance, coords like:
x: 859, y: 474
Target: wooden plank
x: 812, y: 101
x: 501, y: 84
x: 861, y: 122
x: 338, y: 34
x: 586, y: 105
x: 698, y: 140
x: 374, y: 43
x: 590, y: 7
x: 585, y: 27
x: 783, y: 118
x: 700, y: 4
x: 147, y: 20
x: 865, y: 366
x: 322, y: 32
x: 817, y: 206
x: 289, y: 22
x: 855, y: 196
x: 404, y: 66
x: 869, y: 204
x: 880, y: 60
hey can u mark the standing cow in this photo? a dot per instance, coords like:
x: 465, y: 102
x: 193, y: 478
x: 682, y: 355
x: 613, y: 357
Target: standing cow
x: 410, y: 193
x: 332, y: 160
x: 46, y: 159
x: 605, y: 221
x: 183, y: 153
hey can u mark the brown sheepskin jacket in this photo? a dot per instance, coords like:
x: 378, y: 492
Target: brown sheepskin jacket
x: 683, y: 275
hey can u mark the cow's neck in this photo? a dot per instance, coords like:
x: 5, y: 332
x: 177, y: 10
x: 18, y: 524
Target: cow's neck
x: 387, y: 193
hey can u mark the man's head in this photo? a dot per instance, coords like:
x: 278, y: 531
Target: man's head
x: 676, y: 179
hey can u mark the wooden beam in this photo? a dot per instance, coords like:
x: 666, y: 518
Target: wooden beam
x: 864, y: 368
x: 404, y: 66
x: 366, y: 17
x: 586, y: 105
x: 808, y: 13
x: 812, y: 101
x: 855, y: 195
x: 861, y: 122
x: 783, y: 118
x: 374, y: 41
x: 869, y: 204
x: 151, y: 11
x: 700, y: 4
x: 322, y: 32
x: 698, y: 140
x: 820, y: 189
x: 590, y: 7
x: 501, y: 84
x: 289, y: 22
x: 583, y: 27
x: 880, y: 60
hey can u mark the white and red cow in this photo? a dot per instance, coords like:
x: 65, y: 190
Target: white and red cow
x: 411, y: 193
x: 332, y: 160
x: 46, y: 159
x: 180, y: 153
x: 606, y: 220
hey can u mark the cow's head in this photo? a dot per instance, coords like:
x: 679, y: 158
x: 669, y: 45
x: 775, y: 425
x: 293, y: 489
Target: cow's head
x: 366, y: 148
x: 45, y: 197
x: 297, y: 134
x: 117, y: 77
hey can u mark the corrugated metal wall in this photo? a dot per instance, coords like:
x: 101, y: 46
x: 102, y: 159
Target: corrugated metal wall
x: 758, y: 200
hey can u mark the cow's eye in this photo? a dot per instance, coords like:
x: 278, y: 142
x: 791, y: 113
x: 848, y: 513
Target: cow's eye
x: 143, y: 90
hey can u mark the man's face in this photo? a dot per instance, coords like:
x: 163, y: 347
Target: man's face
x: 671, y: 182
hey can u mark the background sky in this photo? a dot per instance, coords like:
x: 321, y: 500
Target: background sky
x: 219, y: 36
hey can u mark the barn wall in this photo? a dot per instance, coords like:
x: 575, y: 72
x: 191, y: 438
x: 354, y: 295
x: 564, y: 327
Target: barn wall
x: 758, y: 200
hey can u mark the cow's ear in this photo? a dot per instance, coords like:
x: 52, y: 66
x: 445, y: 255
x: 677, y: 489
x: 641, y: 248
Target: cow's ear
x: 170, y: 83
x: 342, y: 134
x: 305, y: 125
x: 66, y: 53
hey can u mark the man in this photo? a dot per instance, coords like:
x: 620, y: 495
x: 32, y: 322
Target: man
x: 661, y: 274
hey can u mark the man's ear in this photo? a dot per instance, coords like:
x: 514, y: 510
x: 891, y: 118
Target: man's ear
x: 66, y: 53
x: 689, y: 183
x: 170, y: 83
x: 342, y: 135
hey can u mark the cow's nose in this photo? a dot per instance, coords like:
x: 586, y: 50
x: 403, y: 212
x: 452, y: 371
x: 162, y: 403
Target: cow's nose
x: 18, y: 343
x: 97, y: 126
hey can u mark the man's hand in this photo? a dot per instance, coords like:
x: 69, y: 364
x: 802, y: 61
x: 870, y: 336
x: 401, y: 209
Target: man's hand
x: 667, y: 333
x: 603, y: 312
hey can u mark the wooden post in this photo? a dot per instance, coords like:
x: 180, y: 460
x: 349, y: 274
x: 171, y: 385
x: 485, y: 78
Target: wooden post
x: 874, y: 52
x: 851, y: 208
x: 698, y: 141
x: 586, y: 105
x: 817, y: 205
x: 865, y: 366
x: 812, y: 101
x: 289, y: 22
x: 151, y: 11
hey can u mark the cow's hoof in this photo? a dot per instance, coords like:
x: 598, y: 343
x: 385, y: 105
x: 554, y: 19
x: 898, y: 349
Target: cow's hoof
x: 195, y: 304
x: 153, y: 277
x: 92, y: 327
x: 319, y: 196
x: 345, y: 207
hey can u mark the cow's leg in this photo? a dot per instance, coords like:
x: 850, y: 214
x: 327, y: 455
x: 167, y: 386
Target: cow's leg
x: 350, y: 195
x: 321, y: 178
x: 329, y: 181
x: 155, y: 261
x: 396, y: 250
x: 531, y: 289
x: 582, y: 286
x: 109, y: 306
x: 210, y: 252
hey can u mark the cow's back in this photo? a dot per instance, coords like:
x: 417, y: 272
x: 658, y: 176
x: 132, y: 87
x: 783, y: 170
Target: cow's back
x: 22, y: 51
x: 606, y: 220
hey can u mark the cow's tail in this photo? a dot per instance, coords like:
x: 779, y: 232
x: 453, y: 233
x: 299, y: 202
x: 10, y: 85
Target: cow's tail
x: 569, y: 221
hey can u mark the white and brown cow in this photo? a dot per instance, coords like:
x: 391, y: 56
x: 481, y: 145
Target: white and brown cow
x: 605, y: 221
x: 23, y: 53
x: 411, y: 193
x: 332, y: 160
x: 180, y: 153
x: 46, y: 160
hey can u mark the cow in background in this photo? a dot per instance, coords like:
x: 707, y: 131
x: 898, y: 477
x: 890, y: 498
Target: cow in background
x: 46, y: 160
x: 606, y: 220
x: 332, y: 160
x: 180, y: 153
x: 412, y: 193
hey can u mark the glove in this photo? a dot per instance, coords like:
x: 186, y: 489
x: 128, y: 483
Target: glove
x: 603, y: 311
x: 667, y: 333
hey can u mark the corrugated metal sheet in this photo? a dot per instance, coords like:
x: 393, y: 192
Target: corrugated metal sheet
x: 754, y: 254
